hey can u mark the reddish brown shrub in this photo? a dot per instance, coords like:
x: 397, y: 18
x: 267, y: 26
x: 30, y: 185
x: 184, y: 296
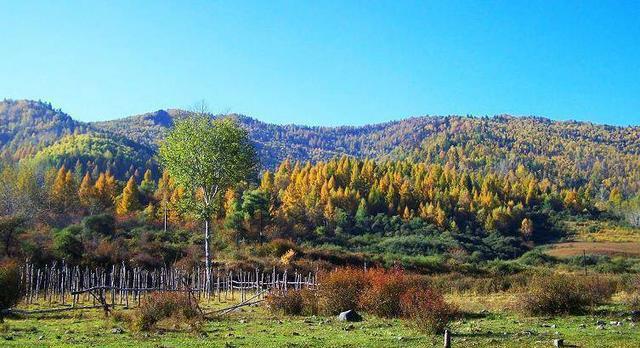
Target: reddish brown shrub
x: 427, y: 309
x: 310, y: 302
x: 288, y: 302
x: 164, y: 305
x: 340, y: 289
x: 565, y: 294
x: 382, y: 294
x: 598, y: 289
x: 293, y: 302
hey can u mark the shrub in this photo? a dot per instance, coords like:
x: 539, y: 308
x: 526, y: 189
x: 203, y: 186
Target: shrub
x: 288, y: 302
x: 293, y: 302
x: 279, y: 247
x: 382, y: 295
x: 340, y: 289
x: 287, y: 257
x: 633, y: 301
x: 103, y: 224
x: 537, y: 258
x: 633, y: 298
x: 564, y: 294
x: 598, y: 289
x: 310, y: 302
x: 164, y: 305
x: 10, y: 284
x: 427, y: 309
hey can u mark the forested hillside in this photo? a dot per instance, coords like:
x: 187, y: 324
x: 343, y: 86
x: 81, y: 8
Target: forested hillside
x: 573, y: 154
x: 474, y: 189
x: 28, y: 126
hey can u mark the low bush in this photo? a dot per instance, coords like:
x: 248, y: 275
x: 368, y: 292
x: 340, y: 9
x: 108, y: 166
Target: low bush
x: 598, y: 289
x: 340, y: 289
x: 287, y: 302
x: 382, y: 294
x: 537, y: 257
x: 565, y: 294
x: 164, y: 305
x: 633, y: 301
x: 11, y: 292
x: 310, y: 302
x: 633, y: 298
x: 294, y: 302
x: 427, y: 309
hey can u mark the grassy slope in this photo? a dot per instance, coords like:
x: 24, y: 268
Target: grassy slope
x: 598, y: 238
x: 254, y: 327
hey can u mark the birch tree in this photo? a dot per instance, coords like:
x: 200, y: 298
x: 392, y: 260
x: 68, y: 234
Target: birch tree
x: 206, y: 157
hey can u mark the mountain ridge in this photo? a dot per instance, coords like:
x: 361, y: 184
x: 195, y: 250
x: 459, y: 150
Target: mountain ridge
x: 566, y: 151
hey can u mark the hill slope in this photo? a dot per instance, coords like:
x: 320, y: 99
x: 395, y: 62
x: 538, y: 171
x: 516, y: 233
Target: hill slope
x: 574, y: 154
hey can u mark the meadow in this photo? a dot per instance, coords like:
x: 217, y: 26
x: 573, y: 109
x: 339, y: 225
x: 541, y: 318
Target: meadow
x: 488, y: 321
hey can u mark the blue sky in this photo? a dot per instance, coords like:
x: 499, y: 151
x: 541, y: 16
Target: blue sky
x: 326, y: 62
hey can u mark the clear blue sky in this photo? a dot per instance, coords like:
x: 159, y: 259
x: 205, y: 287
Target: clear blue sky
x: 326, y: 62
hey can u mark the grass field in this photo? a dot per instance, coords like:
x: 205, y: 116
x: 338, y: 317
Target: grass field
x: 597, y: 238
x: 568, y: 249
x: 488, y: 322
x: 601, y: 231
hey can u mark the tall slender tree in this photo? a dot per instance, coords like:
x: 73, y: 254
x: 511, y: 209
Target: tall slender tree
x: 129, y: 201
x: 206, y: 157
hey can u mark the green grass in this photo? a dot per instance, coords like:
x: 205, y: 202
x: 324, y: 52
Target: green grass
x: 255, y: 327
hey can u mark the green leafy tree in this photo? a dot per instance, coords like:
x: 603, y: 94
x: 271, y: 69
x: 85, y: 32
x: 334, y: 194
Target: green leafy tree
x: 206, y: 157
x: 255, y: 204
x: 10, y: 228
x: 10, y: 284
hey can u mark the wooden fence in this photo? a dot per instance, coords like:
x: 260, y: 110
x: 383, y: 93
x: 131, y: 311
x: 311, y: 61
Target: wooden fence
x: 61, y: 284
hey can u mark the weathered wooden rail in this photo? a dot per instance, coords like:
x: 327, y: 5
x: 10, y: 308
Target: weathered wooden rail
x: 61, y: 284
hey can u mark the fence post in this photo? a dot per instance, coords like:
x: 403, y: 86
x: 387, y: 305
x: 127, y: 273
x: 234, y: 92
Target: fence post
x: 447, y: 339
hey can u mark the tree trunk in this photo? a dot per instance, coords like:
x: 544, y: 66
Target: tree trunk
x: 207, y: 258
x: 165, y: 217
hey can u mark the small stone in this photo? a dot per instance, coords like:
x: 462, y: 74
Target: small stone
x: 600, y: 327
x: 601, y: 322
x: 117, y: 330
x: 559, y: 342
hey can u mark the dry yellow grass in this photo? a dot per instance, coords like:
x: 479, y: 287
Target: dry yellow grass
x: 602, y: 231
x: 497, y: 302
x: 629, y: 249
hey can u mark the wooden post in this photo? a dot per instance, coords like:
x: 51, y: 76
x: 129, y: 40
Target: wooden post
x: 447, y: 339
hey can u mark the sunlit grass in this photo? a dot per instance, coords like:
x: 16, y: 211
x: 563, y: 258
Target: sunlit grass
x: 489, y: 321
